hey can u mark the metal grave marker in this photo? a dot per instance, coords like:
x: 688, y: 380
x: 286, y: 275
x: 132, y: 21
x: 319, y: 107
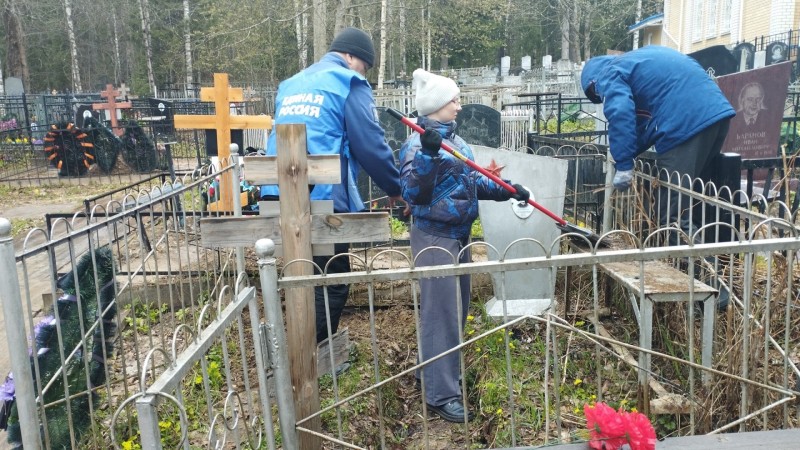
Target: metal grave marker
x: 523, y: 292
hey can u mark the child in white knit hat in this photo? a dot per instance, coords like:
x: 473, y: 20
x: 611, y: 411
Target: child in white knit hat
x: 443, y: 194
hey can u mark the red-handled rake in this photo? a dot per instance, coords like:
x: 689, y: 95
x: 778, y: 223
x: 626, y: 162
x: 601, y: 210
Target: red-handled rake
x: 562, y: 224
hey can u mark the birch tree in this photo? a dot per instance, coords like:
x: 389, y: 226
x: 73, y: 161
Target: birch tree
x: 187, y: 40
x: 301, y: 27
x: 382, y: 63
x: 144, y: 12
x: 73, y: 47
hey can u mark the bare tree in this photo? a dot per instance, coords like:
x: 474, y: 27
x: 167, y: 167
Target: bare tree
x: 341, y: 13
x: 320, y: 29
x: 144, y: 12
x: 187, y: 45
x: 73, y: 47
x: 301, y: 30
x: 382, y: 62
x: 117, y: 61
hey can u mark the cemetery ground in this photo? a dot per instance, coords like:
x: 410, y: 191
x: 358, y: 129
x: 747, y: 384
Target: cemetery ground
x: 576, y: 381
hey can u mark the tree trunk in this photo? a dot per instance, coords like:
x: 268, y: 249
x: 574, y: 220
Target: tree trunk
x: 565, y: 33
x: 402, y: 17
x: 382, y: 62
x: 144, y: 12
x: 73, y: 47
x: 575, y: 27
x: 300, y: 26
x: 16, y: 54
x: 341, y: 13
x: 587, y: 33
x: 320, y: 29
x: 187, y: 44
x: 117, y: 61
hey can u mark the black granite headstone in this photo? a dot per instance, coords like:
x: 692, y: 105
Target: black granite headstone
x: 718, y: 59
x: 84, y: 112
x: 747, y: 50
x: 396, y: 132
x: 479, y: 125
x: 777, y: 52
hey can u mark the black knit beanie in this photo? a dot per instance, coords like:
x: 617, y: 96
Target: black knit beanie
x: 355, y: 42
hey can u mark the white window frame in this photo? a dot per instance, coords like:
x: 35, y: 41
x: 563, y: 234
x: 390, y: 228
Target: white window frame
x: 697, y: 20
x: 711, y: 18
x: 726, y: 11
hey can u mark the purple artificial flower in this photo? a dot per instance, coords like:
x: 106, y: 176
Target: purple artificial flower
x: 7, y: 389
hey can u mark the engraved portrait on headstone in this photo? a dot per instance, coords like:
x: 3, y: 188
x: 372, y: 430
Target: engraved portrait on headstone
x: 777, y: 52
x: 744, y: 53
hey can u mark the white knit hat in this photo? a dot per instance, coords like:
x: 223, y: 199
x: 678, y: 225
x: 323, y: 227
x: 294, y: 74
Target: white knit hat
x: 433, y: 91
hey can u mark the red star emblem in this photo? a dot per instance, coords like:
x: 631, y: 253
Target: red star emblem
x: 494, y: 168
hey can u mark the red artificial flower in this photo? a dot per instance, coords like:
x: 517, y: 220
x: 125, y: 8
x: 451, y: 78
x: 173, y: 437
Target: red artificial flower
x: 606, y: 427
x: 641, y: 435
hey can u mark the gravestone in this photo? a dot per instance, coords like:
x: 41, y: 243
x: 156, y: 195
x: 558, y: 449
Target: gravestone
x: 479, y: 125
x: 760, y: 59
x: 547, y: 61
x: 758, y: 97
x: 161, y: 118
x: 85, y: 111
x: 14, y: 87
x: 777, y: 52
x: 395, y: 131
x: 522, y: 292
x: 744, y: 54
x: 717, y: 60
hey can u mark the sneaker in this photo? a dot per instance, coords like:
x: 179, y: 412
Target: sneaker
x: 452, y: 412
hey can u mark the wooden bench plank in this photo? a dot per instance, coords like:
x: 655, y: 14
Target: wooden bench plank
x: 322, y: 169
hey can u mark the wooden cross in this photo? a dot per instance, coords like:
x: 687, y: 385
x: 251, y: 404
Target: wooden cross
x: 222, y: 95
x: 112, y: 106
x: 297, y: 228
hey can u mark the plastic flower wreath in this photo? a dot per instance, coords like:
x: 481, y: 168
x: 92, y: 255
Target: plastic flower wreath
x: 611, y: 430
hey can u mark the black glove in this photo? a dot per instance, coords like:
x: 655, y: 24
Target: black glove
x: 522, y: 194
x: 431, y: 140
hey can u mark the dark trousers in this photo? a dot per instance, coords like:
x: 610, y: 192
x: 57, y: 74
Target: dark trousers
x: 690, y: 160
x: 337, y: 294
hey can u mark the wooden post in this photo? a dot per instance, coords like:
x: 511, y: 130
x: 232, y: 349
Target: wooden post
x: 296, y: 234
x: 222, y: 95
x: 110, y: 94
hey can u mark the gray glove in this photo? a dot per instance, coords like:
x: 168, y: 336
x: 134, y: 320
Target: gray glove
x: 623, y: 179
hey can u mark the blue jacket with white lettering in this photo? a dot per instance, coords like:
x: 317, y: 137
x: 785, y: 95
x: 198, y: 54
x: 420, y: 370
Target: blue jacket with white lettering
x: 337, y: 107
x: 443, y: 191
x: 652, y: 96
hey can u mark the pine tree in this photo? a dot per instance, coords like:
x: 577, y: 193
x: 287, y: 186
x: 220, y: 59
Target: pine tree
x: 79, y: 300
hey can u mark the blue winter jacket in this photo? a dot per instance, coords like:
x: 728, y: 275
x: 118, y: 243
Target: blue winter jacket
x: 443, y: 191
x: 336, y: 105
x: 653, y: 96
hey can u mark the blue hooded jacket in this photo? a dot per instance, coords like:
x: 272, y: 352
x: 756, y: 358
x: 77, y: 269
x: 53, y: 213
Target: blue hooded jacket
x: 443, y: 191
x: 652, y: 96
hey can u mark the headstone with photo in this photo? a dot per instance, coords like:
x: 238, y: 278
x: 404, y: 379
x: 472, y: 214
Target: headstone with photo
x: 758, y: 97
x: 744, y: 54
x: 523, y: 292
x: 479, y: 125
x: 777, y: 52
x: 84, y: 112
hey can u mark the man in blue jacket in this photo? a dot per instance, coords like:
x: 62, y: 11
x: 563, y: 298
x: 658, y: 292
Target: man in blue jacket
x: 334, y: 100
x: 657, y: 96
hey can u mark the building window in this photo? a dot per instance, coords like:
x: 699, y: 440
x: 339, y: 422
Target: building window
x: 711, y: 18
x: 725, y: 17
x: 697, y: 20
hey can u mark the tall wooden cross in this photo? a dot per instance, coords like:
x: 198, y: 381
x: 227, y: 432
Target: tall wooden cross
x: 111, y: 106
x: 296, y: 229
x: 222, y: 95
